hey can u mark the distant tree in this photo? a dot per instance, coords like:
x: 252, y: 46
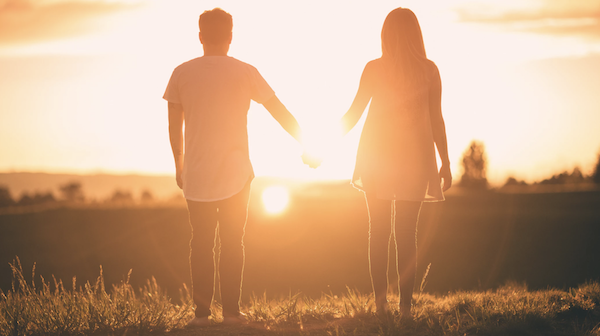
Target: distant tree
x: 565, y: 178
x: 596, y: 174
x: 121, y: 197
x: 72, y: 192
x: 43, y: 198
x: 511, y: 181
x: 474, y: 163
x: 555, y: 179
x: 576, y: 176
x: 25, y: 200
x: 5, y: 197
x: 147, y: 197
x: 37, y: 198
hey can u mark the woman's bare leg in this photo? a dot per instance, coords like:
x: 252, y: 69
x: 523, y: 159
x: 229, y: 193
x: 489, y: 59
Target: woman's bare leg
x: 407, y: 217
x: 380, y: 229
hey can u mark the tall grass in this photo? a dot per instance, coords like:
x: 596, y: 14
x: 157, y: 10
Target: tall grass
x: 52, y: 309
x: 93, y: 309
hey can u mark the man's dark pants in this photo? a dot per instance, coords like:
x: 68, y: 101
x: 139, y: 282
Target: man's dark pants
x: 228, y: 218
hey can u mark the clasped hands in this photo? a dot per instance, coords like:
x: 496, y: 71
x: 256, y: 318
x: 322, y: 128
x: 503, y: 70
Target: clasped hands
x: 317, y: 146
x: 313, y: 161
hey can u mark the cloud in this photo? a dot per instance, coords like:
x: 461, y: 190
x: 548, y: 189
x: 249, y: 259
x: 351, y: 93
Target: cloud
x: 31, y: 21
x: 556, y: 17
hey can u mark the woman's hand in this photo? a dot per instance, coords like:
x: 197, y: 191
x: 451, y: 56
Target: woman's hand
x: 446, y: 177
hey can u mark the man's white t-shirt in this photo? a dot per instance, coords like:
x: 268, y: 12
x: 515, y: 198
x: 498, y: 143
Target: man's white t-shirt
x: 215, y: 92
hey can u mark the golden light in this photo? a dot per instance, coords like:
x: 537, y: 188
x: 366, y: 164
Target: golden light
x: 275, y: 199
x: 322, y: 140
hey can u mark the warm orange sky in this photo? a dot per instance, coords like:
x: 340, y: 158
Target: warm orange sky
x: 81, y: 81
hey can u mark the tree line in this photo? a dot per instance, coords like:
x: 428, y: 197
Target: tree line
x: 474, y: 164
x: 474, y: 177
x: 70, y: 193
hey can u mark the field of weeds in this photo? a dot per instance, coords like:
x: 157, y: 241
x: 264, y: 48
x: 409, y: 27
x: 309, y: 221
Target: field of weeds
x: 93, y: 309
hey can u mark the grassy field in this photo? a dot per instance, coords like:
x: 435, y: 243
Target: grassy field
x: 319, y: 244
x: 480, y: 248
x: 94, y: 309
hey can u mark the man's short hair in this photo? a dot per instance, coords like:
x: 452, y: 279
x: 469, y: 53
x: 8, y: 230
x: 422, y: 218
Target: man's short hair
x: 215, y: 25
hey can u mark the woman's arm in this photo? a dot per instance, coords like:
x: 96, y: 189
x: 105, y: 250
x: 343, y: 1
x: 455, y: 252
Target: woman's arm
x: 362, y: 98
x: 438, y: 127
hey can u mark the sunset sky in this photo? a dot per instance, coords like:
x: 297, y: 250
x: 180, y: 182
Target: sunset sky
x: 81, y: 81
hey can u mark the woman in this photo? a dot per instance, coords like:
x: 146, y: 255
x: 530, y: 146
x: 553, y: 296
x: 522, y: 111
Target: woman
x: 396, y: 166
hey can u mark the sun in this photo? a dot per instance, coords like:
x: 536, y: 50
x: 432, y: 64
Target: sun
x: 275, y: 199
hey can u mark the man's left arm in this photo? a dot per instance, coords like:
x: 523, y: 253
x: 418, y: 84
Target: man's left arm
x: 176, y: 119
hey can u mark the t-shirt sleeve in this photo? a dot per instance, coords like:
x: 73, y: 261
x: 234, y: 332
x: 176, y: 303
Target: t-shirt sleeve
x: 172, y: 92
x: 261, y: 92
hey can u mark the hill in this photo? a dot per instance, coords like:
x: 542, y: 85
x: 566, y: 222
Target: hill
x: 102, y: 186
x: 97, y: 186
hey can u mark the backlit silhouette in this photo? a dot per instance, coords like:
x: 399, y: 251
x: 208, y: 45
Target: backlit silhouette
x: 212, y: 95
x: 396, y: 164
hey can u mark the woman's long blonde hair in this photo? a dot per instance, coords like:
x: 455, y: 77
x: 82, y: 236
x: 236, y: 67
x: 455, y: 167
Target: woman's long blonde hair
x: 403, y: 49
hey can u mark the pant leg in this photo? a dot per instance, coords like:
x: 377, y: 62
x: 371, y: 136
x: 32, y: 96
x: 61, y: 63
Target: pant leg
x: 232, y: 216
x: 406, y: 219
x: 203, y: 222
x: 380, y: 229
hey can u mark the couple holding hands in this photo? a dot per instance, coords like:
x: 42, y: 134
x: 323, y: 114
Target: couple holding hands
x: 396, y: 165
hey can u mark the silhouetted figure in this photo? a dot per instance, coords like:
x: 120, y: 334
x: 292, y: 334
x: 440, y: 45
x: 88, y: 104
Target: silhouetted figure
x: 396, y: 164
x: 212, y: 94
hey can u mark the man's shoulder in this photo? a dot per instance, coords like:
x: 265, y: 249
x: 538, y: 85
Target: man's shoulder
x: 189, y: 63
x: 226, y: 61
x: 241, y: 63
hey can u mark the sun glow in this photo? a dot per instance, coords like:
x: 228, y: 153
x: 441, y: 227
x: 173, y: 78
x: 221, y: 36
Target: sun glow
x: 322, y: 140
x: 275, y: 199
x: 510, y: 71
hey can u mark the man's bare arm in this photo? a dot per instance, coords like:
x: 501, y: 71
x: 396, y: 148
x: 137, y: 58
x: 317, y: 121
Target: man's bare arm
x: 284, y: 117
x: 176, y: 119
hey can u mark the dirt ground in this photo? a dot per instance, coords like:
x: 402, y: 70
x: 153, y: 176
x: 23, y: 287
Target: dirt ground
x: 255, y: 329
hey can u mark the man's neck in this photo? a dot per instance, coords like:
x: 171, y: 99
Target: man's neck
x: 215, y: 50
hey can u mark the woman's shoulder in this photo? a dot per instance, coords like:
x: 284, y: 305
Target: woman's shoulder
x: 432, y: 68
x: 373, y: 67
x: 374, y: 63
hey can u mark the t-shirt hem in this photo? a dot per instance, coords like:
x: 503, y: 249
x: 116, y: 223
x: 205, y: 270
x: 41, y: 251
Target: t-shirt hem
x: 194, y: 199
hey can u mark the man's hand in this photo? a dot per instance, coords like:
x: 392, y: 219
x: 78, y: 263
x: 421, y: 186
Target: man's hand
x: 179, y: 179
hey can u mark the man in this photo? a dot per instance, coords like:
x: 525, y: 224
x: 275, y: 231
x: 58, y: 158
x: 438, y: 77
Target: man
x: 212, y: 94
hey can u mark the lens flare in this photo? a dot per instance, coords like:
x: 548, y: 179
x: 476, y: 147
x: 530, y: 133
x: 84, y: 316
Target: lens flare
x: 275, y: 199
